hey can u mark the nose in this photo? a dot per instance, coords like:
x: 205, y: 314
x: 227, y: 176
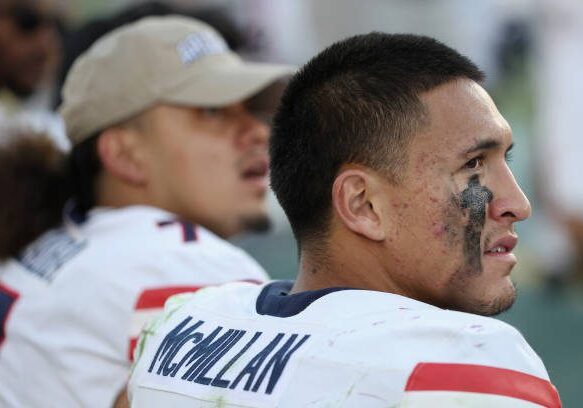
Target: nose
x: 253, y: 132
x: 46, y: 39
x: 509, y: 203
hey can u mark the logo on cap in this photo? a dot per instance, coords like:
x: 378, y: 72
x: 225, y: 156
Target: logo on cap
x: 198, y: 45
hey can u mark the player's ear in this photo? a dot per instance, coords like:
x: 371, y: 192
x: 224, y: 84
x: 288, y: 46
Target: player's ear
x: 119, y: 151
x: 354, y: 194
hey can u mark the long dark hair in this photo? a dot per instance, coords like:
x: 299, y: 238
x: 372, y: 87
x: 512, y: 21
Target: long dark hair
x: 36, y: 180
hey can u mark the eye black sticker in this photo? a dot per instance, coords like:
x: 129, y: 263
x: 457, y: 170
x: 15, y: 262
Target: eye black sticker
x: 474, y: 199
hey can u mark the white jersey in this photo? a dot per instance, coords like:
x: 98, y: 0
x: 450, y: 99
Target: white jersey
x: 74, y: 302
x: 245, y: 345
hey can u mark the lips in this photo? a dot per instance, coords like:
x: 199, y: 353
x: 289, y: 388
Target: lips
x: 254, y: 172
x: 256, y: 168
x: 502, y: 246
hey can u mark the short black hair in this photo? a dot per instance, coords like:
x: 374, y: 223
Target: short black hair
x: 355, y: 102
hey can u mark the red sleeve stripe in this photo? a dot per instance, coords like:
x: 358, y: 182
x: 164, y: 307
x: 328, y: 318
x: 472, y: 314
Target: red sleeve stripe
x: 483, y: 379
x: 131, y: 347
x: 154, y: 298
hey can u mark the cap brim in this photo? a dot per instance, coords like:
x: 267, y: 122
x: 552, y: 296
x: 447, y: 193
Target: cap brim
x: 228, y: 84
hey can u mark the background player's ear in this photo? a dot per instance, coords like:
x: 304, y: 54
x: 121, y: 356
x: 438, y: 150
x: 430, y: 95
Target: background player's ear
x: 119, y: 151
x: 353, y: 197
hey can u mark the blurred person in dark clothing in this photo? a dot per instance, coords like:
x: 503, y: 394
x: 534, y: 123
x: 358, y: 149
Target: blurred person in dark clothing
x: 30, y: 51
x: 29, y: 45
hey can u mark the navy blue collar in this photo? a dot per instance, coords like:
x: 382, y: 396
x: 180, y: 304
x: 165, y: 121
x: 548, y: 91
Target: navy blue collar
x: 74, y: 213
x: 275, y: 300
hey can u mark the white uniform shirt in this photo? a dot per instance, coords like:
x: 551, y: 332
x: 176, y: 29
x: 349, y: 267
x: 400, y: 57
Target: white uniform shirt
x: 73, y: 303
x: 254, y: 346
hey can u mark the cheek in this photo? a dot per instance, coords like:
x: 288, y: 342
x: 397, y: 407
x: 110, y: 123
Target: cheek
x: 439, y: 229
x: 432, y: 217
x: 446, y: 223
x: 177, y: 163
x: 202, y: 158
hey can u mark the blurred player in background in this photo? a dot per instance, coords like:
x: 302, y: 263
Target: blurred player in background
x: 168, y: 159
x: 390, y: 161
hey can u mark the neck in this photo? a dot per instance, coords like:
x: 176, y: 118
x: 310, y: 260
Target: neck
x: 351, y: 262
x: 110, y: 192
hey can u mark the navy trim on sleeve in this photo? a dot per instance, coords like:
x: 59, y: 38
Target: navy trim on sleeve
x: 275, y: 300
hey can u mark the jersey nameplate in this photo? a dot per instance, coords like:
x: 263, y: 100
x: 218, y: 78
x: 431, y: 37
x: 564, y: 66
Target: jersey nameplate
x: 48, y: 253
x: 209, y: 361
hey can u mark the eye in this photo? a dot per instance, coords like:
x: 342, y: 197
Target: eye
x: 474, y: 163
x: 211, y: 112
x: 508, y: 156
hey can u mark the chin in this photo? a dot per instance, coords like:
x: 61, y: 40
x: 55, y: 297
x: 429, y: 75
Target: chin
x: 498, y: 303
x: 259, y: 222
x: 480, y: 298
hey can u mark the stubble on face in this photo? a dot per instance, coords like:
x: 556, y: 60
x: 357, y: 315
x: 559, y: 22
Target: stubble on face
x: 256, y: 224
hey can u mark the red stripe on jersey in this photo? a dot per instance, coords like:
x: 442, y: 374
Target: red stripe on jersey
x: 485, y: 380
x: 153, y: 298
x: 254, y: 281
x: 132, y: 346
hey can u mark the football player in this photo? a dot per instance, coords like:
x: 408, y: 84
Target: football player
x: 169, y: 158
x: 390, y: 160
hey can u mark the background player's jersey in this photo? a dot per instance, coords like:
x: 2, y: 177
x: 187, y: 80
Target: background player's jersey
x: 253, y: 346
x: 73, y: 303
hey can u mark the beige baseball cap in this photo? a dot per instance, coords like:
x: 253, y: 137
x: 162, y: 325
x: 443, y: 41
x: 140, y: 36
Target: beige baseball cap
x: 171, y: 59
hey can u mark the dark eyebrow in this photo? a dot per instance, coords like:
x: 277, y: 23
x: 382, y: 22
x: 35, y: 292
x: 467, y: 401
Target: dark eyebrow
x: 486, y: 144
